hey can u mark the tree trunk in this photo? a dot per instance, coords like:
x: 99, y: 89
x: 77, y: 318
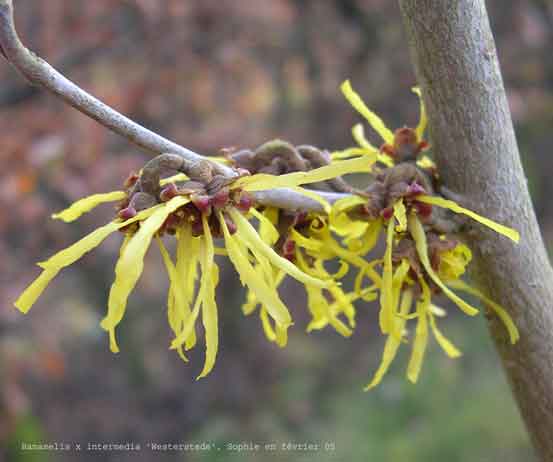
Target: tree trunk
x: 474, y: 145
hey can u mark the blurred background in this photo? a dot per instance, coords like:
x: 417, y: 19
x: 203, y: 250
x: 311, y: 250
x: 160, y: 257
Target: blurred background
x: 212, y: 74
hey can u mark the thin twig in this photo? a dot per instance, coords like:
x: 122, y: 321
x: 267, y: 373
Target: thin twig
x: 39, y: 72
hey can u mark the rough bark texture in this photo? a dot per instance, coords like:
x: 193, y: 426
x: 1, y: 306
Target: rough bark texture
x: 475, y: 148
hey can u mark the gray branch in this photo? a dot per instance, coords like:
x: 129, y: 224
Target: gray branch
x: 476, y: 151
x: 39, y: 72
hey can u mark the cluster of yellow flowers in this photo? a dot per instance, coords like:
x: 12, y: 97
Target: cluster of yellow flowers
x: 265, y: 244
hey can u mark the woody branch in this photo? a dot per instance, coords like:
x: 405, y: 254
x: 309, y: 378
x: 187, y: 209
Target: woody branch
x: 38, y: 72
x: 476, y: 152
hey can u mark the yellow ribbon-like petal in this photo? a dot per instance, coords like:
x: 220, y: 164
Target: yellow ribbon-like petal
x: 499, y: 310
x: 349, y: 153
x: 267, y: 230
x: 130, y: 265
x: 454, y: 207
x: 450, y: 349
x: 386, y: 294
x: 210, y: 271
x: 421, y: 335
x: 400, y: 214
x: 392, y: 342
x: 86, y: 204
x: 261, y: 181
x: 376, y: 122
x: 423, y: 120
x: 67, y: 257
x: 174, y: 297
x: 417, y: 231
x: 265, y: 294
x: 252, y: 240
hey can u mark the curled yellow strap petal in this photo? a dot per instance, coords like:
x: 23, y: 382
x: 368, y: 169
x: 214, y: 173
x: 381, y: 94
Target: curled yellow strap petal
x: 30, y: 295
x: 423, y: 120
x: 386, y: 295
x: 358, y: 133
x: 67, y: 257
x: 454, y: 207
x: 72, y: 253
x: 174, y: 294
x: 338, y: 220
x: 426, y: 163
x: 499, y: 310
x: 421, y: 335
x: 349, y: 152
x: 267, y: 327
x: 131, y: 263
x: 173, y: 179
x: 450, y: 349
x: 186, y: 268
x: 261, y: 181
x: 386, y: 160
x: 189, y: 323
x: 86, y: 204
x: 375, y: 121
x: 209, y: 306
x: 417, y: 231
x: 313, y: 195
x: 265, y: 294
x: 392, y: 342
x: 250, y: 236
x: 314, y: 245
x: 400, y: 214
x: 267, y: 230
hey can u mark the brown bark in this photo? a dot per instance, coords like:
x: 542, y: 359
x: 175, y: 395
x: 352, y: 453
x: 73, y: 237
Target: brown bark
x: 474, y: 144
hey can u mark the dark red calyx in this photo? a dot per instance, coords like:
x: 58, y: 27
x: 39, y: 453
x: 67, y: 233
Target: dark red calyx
x: 127, y: 212
x: 424, y: 210
x: 415, y: 189
x: 201, y: 202
x: 220, y: 199
x: 245, y: 202
x: 387, y: 213
x: 168, y: 192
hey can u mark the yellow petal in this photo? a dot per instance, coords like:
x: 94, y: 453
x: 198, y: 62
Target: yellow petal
x: 173, y: 179
x: 314, y: 245
x: 267, y: 230
x: 174, y: 296
x: 350, y: 152
x: 423, y: 120
x: 265, y: 294
x: 400, y: 214
x: 386, y: 295
x: 446, y: 345
x: 358, y: 133
x: 375, y: 121
x: 86, y: 204
x: 267, y: 327
x: 338, y: 219
x: 186, y: 268
x: 421, y: 335
x: 392, y: 342
x: 131, y: 263
x: 426, y: 163
x: 67, y: 257
x: 209, y: 306
x: 499, y: 310
x: 417, y: 231
x: 261, y: 181
x: 250, y: 237
x: 30, y: 295
x: 454, y: 207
